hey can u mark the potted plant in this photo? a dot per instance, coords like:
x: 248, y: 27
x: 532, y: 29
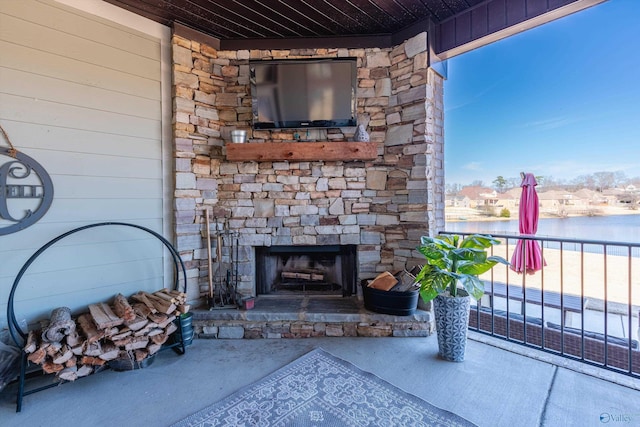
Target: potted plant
x: 450, y: 279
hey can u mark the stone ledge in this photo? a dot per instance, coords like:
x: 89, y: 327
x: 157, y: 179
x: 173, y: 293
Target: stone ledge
x: 289, y: 318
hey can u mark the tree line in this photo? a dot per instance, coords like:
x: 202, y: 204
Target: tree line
x: 597, y: 181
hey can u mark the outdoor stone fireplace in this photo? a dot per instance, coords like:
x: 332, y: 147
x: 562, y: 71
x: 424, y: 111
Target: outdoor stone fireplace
x: 379, y: 206
x: 306, y: 270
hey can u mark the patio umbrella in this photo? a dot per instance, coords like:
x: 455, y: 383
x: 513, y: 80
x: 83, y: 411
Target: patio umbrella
x: 527, y: 256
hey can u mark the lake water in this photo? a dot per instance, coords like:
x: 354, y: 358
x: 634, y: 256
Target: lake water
x: 620, y: 228
x: 617, y: 228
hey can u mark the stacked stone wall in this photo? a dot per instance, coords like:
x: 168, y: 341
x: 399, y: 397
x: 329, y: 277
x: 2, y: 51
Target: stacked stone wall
x: 383, y: 205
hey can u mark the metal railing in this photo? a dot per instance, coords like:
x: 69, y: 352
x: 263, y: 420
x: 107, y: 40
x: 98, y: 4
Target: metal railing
x: 584, y: 304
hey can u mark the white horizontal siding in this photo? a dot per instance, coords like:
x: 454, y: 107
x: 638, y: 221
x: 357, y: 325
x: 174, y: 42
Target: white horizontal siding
x: 82, y: 96
x: 82, y: 141
x: 29, y: 59
x: 23, y: 32
x: 56, y: 16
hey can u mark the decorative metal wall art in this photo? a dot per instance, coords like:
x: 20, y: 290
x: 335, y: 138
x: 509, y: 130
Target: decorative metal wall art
x: 26, y: 190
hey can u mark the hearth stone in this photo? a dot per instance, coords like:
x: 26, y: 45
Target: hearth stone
x: 303, y: 317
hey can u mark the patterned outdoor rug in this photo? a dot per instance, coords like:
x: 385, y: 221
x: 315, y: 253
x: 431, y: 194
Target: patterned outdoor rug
x: 318, y: 389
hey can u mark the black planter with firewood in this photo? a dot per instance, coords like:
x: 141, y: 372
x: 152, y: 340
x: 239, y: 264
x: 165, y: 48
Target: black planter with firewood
x: 389, y: 302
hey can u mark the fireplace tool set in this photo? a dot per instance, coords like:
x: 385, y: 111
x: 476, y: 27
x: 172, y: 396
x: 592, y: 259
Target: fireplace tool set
x: 222, y: 260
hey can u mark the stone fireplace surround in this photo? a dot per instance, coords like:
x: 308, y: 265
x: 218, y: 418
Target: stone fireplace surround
x: 381, y: 205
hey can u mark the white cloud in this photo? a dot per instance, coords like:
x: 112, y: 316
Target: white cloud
x: 552, y: 123
x: 473, y: 166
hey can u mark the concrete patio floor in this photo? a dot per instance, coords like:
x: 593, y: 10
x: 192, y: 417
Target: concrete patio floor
x: 493, y: 387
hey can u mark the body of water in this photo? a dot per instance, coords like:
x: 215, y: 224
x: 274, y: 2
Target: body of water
x: 613, y: 228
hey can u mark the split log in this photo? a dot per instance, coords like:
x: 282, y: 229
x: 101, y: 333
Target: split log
x: 145, y: 331
x: 91, y: 360
x: 109, y: 332
x: 123, y: 342
x: 109, y: 352
x: 137, y: 343
x: 59, y: 325
x: 153, y: 348
x: 71, y: 362
x: 168, y: 298
x: 93, y: 349
x: 137, y: 323
x: 180, y: 296
x: 166, y: 322
x: 295, y: 275
x: 63, y: 355
x: 32, y: 343
x: 123, y: 334
x: 68, y: 374
x: 171, y: 328
x: 159, y: 339
x: 50, y: 367
x: 141, y: 354
x: 161, y: 305
x: 53, y: 348
x: 84, y: 370
x: 78, y: 350
x: 142, y: 310
x: 88, y: 327
x: 74, y: 339
x: 155, y: 331
x: 184, y: 308
x: 103, y: 316
x: 123, y: 309
x: 162, y: 320
x: 38, y: 356
x: 141, y: 297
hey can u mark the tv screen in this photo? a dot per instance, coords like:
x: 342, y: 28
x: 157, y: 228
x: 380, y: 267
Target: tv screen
x: 303, y: 93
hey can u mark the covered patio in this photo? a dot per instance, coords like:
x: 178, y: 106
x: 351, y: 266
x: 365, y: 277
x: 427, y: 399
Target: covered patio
x: 159, y: 158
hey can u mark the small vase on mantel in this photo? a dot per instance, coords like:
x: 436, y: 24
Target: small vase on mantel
x: 361, y: 134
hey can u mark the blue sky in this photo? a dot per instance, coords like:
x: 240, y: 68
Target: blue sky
x: 560, y: 100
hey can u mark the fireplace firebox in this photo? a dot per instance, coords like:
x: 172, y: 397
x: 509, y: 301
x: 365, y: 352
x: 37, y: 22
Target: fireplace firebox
x: 306, y: 270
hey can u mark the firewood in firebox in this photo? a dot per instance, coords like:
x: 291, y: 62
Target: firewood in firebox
x: 303, y: 275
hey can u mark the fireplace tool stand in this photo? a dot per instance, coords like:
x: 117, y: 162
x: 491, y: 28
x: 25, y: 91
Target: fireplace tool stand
x: 223, y: 265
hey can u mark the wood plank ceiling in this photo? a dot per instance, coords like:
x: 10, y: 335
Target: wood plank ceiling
x: 265, y: 24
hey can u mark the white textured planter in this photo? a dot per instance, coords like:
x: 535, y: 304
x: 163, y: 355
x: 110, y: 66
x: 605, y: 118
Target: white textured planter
x: 452, y: 323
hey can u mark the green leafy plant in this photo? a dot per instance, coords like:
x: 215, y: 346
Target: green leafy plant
x: 450, y: 260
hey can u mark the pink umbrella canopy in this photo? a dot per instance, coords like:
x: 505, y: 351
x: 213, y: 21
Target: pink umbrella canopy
x: 527, y: 256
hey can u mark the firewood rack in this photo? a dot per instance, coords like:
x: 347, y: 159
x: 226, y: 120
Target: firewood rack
x: 19, y: 336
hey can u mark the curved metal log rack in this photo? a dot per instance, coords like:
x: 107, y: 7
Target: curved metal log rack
x: 19, y: 336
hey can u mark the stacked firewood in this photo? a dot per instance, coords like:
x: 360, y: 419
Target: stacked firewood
x: 129, y: 329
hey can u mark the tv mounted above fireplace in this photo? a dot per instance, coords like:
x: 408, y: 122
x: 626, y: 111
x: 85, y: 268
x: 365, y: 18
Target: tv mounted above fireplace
x: 315, y: 93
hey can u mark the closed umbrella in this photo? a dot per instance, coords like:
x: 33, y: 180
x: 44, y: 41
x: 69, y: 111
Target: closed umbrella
x: 527, y: 256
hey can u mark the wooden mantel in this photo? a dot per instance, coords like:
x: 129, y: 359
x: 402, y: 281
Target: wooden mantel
x: 302, y: 151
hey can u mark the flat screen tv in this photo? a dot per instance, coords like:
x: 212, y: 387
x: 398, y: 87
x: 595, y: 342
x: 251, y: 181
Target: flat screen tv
x: 303, y: 93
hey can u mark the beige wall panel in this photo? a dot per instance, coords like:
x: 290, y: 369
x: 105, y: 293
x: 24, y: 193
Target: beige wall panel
x: 23, y: 249
x: 28, y: 110
x: 31, y: 60
x: 69, y: 93
x: 67, y: 20
x: 24, y: 33
x: 107, y: 187
x: 99, y: 209
x: 86, y: 165
x: 31, y: 139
